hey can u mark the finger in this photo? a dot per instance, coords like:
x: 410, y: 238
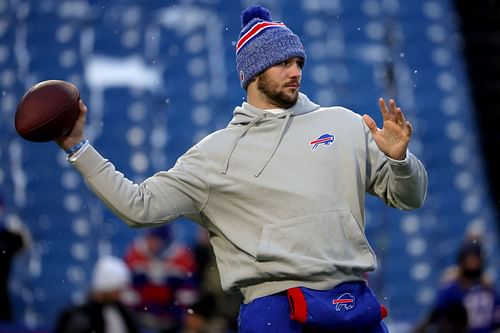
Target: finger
x: 400, y: 117
x: 83, y: 107
x: 392, y: 110
x: 409, y: 128
x: 392, y: 105
x: 372, y: 126
x: 383, y: 109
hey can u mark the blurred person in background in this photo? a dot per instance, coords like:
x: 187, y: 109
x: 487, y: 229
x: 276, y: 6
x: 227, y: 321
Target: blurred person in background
x: 204, y: 317
x: 14, y: 237
x: 105, y: 310
x: 281, y: 190
x: 164, y: 278
x: 467, y: 300
x: 449, y: 319
x: 226, y: 305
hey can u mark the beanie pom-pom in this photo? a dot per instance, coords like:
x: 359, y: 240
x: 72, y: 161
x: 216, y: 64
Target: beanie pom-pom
x: 255, y: 12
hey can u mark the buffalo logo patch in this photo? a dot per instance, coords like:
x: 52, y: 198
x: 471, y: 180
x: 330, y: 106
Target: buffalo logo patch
x: 344, y: 302
x: 324, y: 140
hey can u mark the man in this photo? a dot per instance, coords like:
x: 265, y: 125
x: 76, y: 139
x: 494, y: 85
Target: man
x: 465, y: 286
x: 281, y: 191
x: 14, y: 238
x: 163, y: 279
x: 104, y: 311
x: 11, y: 243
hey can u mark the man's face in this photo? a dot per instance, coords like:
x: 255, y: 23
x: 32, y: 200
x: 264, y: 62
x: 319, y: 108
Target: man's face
x: 154, y: 244
x: 280, y: 84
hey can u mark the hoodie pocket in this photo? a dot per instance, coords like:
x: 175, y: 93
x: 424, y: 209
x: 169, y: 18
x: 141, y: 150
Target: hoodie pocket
x: 317, y: 244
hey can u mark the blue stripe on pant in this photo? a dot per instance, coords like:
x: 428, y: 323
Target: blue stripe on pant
x: 271, y: 314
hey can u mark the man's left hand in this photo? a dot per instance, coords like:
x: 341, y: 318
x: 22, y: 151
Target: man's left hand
x: 394, y: 137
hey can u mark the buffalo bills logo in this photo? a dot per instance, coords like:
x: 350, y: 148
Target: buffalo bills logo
x: 344, y: 302
x: 323, y: 140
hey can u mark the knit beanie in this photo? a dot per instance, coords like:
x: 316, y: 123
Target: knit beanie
x: 263, y: 43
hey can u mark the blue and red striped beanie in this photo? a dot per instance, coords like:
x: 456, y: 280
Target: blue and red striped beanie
x: 263, y: 43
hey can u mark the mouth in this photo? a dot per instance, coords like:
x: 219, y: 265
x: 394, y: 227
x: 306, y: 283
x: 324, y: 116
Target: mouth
x: 294, y: 85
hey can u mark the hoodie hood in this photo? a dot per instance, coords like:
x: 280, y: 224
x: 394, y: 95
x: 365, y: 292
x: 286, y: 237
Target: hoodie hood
x: 245, y: 113
x: 248, y: 116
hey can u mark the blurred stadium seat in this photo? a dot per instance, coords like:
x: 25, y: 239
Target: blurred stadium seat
x: 159, y: 75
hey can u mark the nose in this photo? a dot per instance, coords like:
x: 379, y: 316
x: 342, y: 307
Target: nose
x: 295, y: 70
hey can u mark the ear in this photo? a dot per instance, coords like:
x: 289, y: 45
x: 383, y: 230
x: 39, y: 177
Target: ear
x: 251, y: 83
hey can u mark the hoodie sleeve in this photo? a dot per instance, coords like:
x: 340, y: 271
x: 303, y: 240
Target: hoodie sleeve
x: 400, y: 184
x: 158, y: 199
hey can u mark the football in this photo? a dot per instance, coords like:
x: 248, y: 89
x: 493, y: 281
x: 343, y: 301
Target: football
x: 47, y: 111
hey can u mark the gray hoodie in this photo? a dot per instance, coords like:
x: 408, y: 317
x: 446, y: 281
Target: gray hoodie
x: 282, y: 195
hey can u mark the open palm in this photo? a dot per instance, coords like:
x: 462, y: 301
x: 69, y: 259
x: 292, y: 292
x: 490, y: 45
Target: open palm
x: 394, y: 136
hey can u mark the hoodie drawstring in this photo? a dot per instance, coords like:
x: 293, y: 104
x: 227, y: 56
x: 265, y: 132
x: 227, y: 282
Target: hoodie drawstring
x: 245, y: 129
x: 276, y: 143
x: 237, y: 139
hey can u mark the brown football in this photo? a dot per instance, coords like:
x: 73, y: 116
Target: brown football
x: 47, y: 111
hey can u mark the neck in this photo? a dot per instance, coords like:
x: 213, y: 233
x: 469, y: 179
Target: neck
x: 256, y: 99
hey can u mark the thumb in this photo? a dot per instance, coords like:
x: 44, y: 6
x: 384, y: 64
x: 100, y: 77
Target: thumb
x: 370, y: 123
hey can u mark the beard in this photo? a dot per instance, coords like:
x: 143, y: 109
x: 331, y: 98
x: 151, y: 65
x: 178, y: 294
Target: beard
x: 276, y: 96
x: 473, y: 274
